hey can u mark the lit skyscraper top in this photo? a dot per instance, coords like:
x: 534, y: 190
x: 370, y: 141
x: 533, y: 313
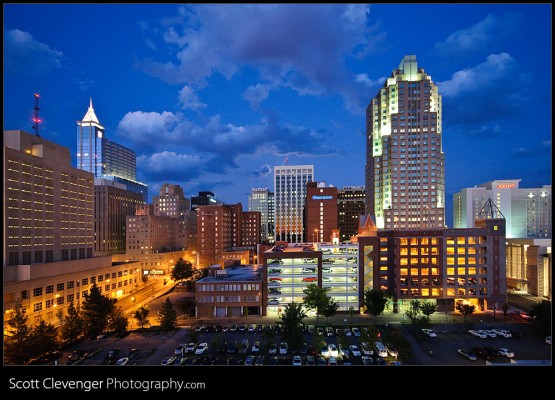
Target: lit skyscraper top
x: 405, y: 170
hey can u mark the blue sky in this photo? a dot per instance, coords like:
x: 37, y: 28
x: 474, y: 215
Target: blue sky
x: 211, y: 97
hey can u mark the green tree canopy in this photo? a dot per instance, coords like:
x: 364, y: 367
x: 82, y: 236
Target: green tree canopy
x: 542, y: 313
x: 428, y: 308
x: 316, y: 299
x: 330, y: 309
x: 182, y: 270
x: 43, y: 338
x: 117, y: 321
x: 168, y: 316
x: 73, y: 325
x: 465, y: 309
x: 374, y: 301
x: 141, y: 315
x: 292, y: 322
x: 17, y: 339
x: 95, y: 309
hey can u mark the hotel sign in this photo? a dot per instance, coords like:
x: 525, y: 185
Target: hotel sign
x: 506, y: 186
x: 322, y: 197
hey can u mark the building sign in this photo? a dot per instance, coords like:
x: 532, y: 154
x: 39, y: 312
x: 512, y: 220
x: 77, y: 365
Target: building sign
x: 506, y: 186
x: 322, y: 197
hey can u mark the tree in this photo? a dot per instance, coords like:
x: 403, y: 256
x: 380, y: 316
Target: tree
x: 17, y: 340
x: 292, y: 323
x: 542, y: 313
x: 43, y: 338
x: 465, y: 309
x: 117, y: 321
x: 316, y: 299
x: 374, y: 301
x: 168, y: 316
x: 182, y: 270
x: 505, y: 308
x: 73, y: 325
x: 330, y: 309
x: 428, y: 308
x: 96, y: 309
x: 141, y: 315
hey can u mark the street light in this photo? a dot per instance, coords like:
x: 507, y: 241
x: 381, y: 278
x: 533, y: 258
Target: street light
x: 315, y: 231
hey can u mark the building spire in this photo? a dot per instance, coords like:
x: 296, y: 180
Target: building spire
x: 90, y: 116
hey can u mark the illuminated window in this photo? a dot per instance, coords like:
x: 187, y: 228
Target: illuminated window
x: 414, y: 271
x: 425, y: 292
x: 450, y: 250
x: 404, y: 251
x: 450, y: 240
x: 461, y: 240
x: 434, y: 261
x: 435, y: 271
x: 425, y: 282
x: 461, y: 250
x: 450, y: 271
x: 461, y: 261
x: 472, y: 292
x: 424, y: 241
x: 471, y: 271
x: 403, y: 282
x: 472, y: 250
x: 450, y: 260
x: 471, y: 240
x: 404, y: 241
x: 414, y: 261
x: 461, y: 292
x: 433, y: 241
x: 472, y: 260
x: 403, y: 261
x: 414, y: 292
x: 404, y: 271
x: 424, y: 260
x: 425, y: 271
x: 413, y: 241
x: 451, y: 292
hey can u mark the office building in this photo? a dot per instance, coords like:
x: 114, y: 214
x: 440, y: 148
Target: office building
x: 445, y: 266
x: 49, y: 232
x: 527, y: 211
x: 404, y: 173
x: 350, y: 206
x: 112, y: 204
x: 529, y: 266
x: 171, y: 202
x: 289, y: 199
x: 205, y: 199
x: 320, y: 212
x: 262, y: 200
x: 105, y: 158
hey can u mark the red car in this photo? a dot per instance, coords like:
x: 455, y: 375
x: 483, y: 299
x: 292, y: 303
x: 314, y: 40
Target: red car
x: 310, y: 279
x: 274, y: 279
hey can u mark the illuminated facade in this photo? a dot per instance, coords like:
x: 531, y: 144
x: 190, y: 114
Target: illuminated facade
x: 262, y: 200
x: 404, y: 174
x: 529, y: 266
x: 49, y: 235
x: 350, y: 206
x: 104, y: 158
x: 171, y: 202
x: 289, y: 199
x: 442, y: 265
x: 527, y: 211
x: 290, y: 268
x: 320, y: 212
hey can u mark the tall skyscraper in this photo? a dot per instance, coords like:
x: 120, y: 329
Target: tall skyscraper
x: 527, y: 211
x: 350, y: 206
x: 405, y: 178
x: 289, y: 199
x: 261, y: 200
x: 104, y: 158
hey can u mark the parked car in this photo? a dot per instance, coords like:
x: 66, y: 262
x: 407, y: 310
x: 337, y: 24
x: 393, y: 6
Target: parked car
x: 367, y: 350
x: 180, y: 349
x: 468, y: 354
x: 392, y: 352
x: 122, y: 361
x: 355, y: 350
x: 273, y: 348
x: 297, y: 360
x: 249, y: 360
x: 190, y: 348
x: 283, y: 348
x: 342, y: 350
x: 476, y: 333
x: 168, y: 360
x: 502, y: 332
x: 356, y: 331
x: 429, y: 332
x: 367, y: 360
x: 503, y: 351
x: 255, y: 347
x: 333, y: 350
x: 329, y: 331
x: 332, y: 361
x: 325, y: 351
x: 201, y: 348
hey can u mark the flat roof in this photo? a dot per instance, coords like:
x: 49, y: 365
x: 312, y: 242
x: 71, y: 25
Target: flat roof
x: 236, y: 274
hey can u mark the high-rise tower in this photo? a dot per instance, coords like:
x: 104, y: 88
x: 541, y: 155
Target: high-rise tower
x: 105, y: 158
x: 405, y: 171
x: 289, y: 198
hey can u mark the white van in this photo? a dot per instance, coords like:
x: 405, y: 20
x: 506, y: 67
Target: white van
x: 380, y: 349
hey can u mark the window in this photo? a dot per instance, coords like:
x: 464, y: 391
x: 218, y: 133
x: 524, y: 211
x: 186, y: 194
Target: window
x: 37, y: 306
x: 60, y: 287
x: 85, y: 281
x: 70, y: 298
x: 37, y: 292
x: 49, y: 289
x: 24, y: 294
x: 70, y: 285
x: 60, y: 300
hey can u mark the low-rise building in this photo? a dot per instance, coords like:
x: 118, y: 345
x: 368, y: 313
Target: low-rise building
x: 230, y: 292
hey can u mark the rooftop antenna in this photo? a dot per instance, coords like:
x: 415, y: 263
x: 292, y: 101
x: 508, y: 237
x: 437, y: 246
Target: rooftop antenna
x: 36, y: 118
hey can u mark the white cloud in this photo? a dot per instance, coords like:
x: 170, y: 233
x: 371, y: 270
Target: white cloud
x: 189, y: 99
x: 22, y: 50
x: 497, y: 67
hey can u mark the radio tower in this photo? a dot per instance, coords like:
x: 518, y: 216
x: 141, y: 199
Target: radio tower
x: 36, y: 118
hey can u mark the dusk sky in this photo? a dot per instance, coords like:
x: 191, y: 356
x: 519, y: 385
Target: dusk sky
x: 212, y: 97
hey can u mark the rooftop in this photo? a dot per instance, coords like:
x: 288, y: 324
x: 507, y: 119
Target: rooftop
x: 235, y: 274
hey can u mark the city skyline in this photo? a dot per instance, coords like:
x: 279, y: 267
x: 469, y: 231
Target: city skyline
x: 210, y: 100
